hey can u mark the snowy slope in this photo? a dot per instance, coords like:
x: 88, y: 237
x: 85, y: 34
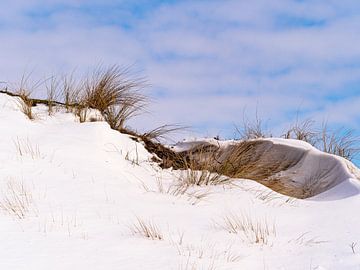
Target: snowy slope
x: 82, y: 187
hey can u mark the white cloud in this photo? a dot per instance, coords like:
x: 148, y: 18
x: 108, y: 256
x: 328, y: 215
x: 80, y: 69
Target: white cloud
x: 210, y: 59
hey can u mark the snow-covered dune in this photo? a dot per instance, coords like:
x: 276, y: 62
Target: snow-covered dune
x: 291, y: 167
x: 72, y: 196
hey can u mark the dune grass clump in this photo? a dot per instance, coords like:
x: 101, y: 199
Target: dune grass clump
x: 25, y: 104
x: 23, y: 91
x: 250, y: 130
x: 197, y: 171
x: 114, y: 94
x: 341, y: 142
x: 303, y: 131
x: 112, y: 91
x: 105, y: 88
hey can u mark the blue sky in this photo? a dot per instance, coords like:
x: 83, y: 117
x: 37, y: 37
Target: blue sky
x: 207, y: 61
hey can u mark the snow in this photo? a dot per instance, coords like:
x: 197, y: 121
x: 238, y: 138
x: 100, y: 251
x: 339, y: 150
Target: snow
x: 85, y: 185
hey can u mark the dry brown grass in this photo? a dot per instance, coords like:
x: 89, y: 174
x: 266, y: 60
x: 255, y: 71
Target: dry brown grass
x: 81, y: 112
x: 147, y: 229
x: 314, y: 183
x: 304, y: 131
x: 161, y: 132
x: 192, y: 177
x: 342, y: 142
x: 115, y: 94
x: 52, y: 89
x: 117, y: 115
x: 257, y: 231
x: 16, y: 200
x: 112, y: 91
x: 199, y: 170
x: 70, y: 93
x: 24, y: 147
x: 251, y: 129
x: 307, y: 240
x: 106, y: 87
x: 193, y: 195
x: 23, y: 91
x: 25, y: 104
x: 258, y: 160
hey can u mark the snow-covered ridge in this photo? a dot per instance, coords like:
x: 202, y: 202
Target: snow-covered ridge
x: 72, y: 193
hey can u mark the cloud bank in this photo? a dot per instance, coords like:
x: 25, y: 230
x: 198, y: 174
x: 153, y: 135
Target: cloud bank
x: 207, y: 61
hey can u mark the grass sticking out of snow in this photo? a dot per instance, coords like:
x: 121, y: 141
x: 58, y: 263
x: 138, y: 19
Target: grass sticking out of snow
x: 16, y: 200
x: 24, y: 147
x: 25, y: 104
x: 147, y: 229
x: 254, y: 230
